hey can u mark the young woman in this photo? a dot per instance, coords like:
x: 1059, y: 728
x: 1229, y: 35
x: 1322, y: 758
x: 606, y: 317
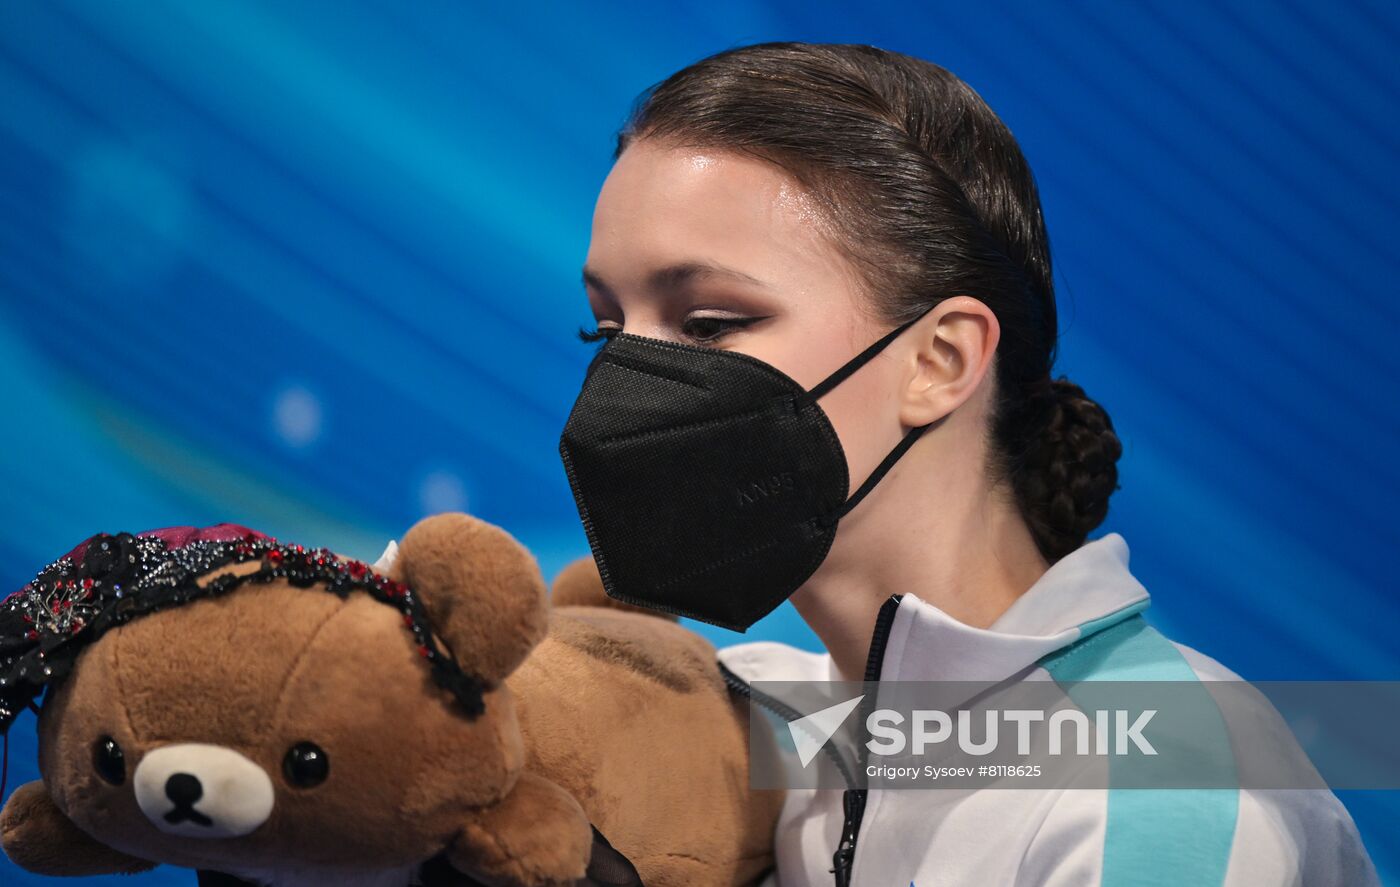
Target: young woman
x: 789, y: 223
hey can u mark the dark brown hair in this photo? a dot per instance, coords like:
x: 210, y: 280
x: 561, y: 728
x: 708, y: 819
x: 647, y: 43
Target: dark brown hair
x: 932, y: 198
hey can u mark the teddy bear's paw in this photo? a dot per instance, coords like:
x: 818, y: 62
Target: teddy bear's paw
x: 39, y: 838
x: 537, y: 836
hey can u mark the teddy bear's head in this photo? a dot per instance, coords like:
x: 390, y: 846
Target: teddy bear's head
x: 297, y: 708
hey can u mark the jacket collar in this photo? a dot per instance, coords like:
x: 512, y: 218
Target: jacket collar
x: 1085, y: 591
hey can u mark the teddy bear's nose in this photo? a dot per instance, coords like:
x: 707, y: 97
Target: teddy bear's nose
x: 202, y: 790
x: 184, y: 789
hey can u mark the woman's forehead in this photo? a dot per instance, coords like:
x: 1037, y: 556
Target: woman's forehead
x: 661, y: 204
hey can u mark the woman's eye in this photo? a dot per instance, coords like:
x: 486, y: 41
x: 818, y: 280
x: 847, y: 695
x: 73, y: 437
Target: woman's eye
x: 597, y: 334
x: 708, y: 329
x: 699, y: 329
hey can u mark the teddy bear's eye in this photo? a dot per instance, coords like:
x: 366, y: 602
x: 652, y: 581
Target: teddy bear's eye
x: 306, y: 765
x: 108, y: 760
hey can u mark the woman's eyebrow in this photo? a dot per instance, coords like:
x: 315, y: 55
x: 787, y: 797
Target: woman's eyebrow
x: 591, y: 278
x: 675, y: 276
x: 678, y: 275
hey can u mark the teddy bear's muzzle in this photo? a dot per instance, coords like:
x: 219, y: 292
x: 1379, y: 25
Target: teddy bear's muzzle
x: 199, y: 790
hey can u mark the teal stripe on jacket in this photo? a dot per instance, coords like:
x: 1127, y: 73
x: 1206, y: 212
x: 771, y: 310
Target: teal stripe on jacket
x: 1155, y: 836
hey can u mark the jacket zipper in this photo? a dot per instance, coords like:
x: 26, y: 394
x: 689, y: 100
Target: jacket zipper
x: 853, y: 799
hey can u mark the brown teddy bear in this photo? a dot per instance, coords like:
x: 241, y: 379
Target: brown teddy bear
x: 225, y: 702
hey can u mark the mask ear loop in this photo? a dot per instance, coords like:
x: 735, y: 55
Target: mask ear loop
x: 839, y: 376
x: 879, y: 472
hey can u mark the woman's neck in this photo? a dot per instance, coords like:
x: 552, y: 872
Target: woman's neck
x: 961, y: 548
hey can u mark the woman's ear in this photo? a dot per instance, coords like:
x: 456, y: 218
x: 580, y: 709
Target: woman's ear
x: 482, y: 590
x: 955, y: 344
x: 39, y: 838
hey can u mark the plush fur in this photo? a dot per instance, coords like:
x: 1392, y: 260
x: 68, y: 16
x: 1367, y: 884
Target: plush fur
x: 601, y: 717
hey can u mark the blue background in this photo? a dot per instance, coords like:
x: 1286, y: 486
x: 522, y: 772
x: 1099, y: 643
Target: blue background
x: 313, y: 268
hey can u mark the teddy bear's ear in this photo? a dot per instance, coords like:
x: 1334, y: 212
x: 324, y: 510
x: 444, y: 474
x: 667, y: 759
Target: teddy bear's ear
x: 38, y: 838
x: 482, y: 590
x: 579, y: 585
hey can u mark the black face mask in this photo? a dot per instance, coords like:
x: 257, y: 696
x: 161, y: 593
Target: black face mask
x: 709, y: 482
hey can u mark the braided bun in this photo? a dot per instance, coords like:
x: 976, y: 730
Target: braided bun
x: 1069, y: 471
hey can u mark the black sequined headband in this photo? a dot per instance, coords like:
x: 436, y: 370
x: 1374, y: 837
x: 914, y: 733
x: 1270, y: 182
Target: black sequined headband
x: 108, y: 580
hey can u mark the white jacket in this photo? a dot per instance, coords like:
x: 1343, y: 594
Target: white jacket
x: 1238, y: 838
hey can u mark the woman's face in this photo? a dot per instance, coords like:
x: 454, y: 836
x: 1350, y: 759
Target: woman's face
x: 722, y: 250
